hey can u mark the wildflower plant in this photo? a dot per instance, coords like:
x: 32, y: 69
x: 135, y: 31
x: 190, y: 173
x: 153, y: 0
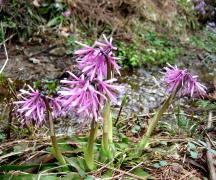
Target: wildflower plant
x: 178, y: 82
x: 89, y: 94
x: 35, y: 108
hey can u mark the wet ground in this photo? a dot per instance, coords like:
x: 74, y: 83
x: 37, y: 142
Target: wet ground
x: 144, y: 86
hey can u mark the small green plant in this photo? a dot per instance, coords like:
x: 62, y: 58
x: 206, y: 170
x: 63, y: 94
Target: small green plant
x: 23, y: 19
x: 186, y: 124
x: 1, y: 78
x: 206, y: 104
x: 191, y: 148
x: 205, y: 41
x: 160, y: 56
x: 48, y: 86
x: 128, y: 57
x: 189, y: 18
x: 160, y: 164
x: 156, y: 50
x: 1, y: 36
x: 70, y: 44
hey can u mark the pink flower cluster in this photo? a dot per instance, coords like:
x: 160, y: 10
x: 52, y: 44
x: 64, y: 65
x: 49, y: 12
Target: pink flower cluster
x: 175, y: 77
x: 199, y: 6
x: 30, y: 107
x: 92, y: 61
x: 84, y: 95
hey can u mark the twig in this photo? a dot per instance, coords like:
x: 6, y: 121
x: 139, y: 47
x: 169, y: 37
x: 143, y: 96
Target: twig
x: 44, y: 50
x: 173, y: 140
x: 39, y: 140
x: 8, y: 130
x: 210, y: 159
x: 43, y: 172
x: 119, y: 113
x: 123, y: 103
x: 4, y: 41
x: 148, y: 115
x: 124, y: 172
x: 131, y: 169
x: 6, y: 61
x: 18, y: 153
x: 212, y: 143
x: 106, y: 165
x: 187, y: 174
x: 6, y: 54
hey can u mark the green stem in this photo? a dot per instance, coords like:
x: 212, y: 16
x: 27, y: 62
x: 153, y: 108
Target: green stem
x: 155, y: 119
x: 110, y: 132
x: 106, y: 126
x: 57, y: 153
x: 108, y: 113
x: 89, y: 153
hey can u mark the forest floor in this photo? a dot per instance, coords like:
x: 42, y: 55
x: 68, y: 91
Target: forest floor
x: 177, y: 150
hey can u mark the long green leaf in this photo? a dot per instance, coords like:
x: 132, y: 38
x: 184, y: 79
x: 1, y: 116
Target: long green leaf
x: 27, y: 177
x: 23, y: 167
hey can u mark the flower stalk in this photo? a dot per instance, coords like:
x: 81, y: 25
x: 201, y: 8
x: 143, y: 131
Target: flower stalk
x: 107, y: 119
x: 154, y: 121
x: 106, y: 129
x: 57, y: 153
x: 179, y: 82
x: 89, y: 152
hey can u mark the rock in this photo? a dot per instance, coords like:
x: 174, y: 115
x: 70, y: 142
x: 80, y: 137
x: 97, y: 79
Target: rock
x: 59, y: 51
x: 34, y: 60
x: 151, y: 98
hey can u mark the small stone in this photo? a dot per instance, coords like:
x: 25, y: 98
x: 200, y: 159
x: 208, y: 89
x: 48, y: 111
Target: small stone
x: 151, y: 98
x: 34, y: 60
x: 59, y: 51
x: 160, y: 94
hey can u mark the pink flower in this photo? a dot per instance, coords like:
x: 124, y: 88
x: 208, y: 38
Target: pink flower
x: 173, y: 77
x: 105, y: 45
x: 192, y: 86
x: 85, y: 51
x: 92, y: 61
x: 67, y: 13
x: 93, y: 65
x: 78, y: 95
x: 107, y: 88
x: 189, y: 84
x: 30, y: 107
